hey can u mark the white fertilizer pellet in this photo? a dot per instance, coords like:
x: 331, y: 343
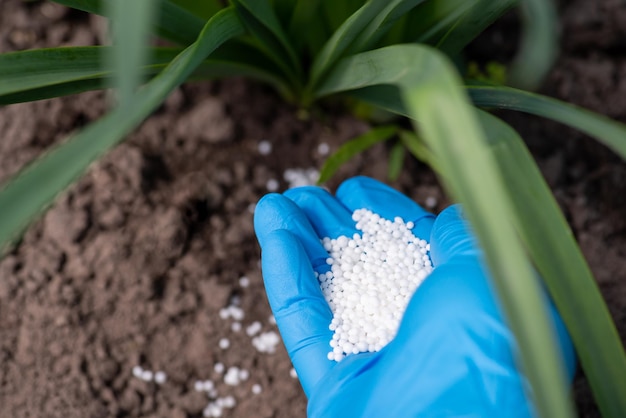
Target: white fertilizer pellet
x: 272, y: 185
x: 371, y: 279
x: 431, y: 202
x: 233, y: 312
x: 244, y: 281
x: 137, y: 371
x: 218, y: 368
x: 323, y: 148
x: 147, y: 376
x: 160, y: 377
x: 232, y: 376
x: 227, y: 402
x: 216, y: 408
x: 293, y: 373
x: 203, y: 385
x: 243, y: 375
x: 253, y: 328
x: 266, y: 342
x: 224, y: 343
x: 265, y: 147
x: 235, y: 326
x: 298, y: 177
x: 256, y: 389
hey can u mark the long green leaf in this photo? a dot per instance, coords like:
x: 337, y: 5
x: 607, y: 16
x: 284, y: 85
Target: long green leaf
x: 25, y: 195
x: 397, y: 155
x: 452, y: 24
x: 55, y: 90
x: 610, y: 133
x: 560, y: 262
x: 283, y: 9
x: 260, y: 19
x: 241, y: 60
x: 539, y: 44
x: 177, y: 24
x: 385, y: 96
x: 308, y: 28
x: 419, y: 150
x: 337, y: 12
x: 45, y: 73
x: 381, y: 24
x: 361, y: 31
x: 174, y: 22
x: 342, y: 38
x: 130, y: 31
x: 434, y: 97
x: 204, y: 9
x: 353, y: 147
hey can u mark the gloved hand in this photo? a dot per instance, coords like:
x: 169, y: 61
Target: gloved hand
x: 453, y: 355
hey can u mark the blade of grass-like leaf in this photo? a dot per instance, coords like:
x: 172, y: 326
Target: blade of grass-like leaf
x: 381, y: 24
x: 66, y: 88
x: 419, y: 150
x: 454, y: 23
x: 307, y: 27
x: 563, y: 268
x: 173, y: 23
x: 130, y: 30
x: 385, y: 96
x: 610, y: 133
x: 45, y: 73
x: 25, y: 70
x: 396, y: 161
x: 395, y: 35
x: 539, y: 44
x: 354, y: 147
x: 177, y: 24
x: 242, y: 60
x: 25, y: 195
x: 283, y: 9
x: 263, y: 23
x: 89, y: 6
x: 204, y: 9
x: 342, y: 38
x: 336, y: 12
x: 433, y: 96
x: 362, y: 30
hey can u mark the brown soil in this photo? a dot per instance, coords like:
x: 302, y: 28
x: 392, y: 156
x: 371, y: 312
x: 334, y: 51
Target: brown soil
x: 132, y: 265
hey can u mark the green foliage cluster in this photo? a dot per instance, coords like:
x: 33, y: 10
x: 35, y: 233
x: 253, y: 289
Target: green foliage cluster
x: 396, y: 55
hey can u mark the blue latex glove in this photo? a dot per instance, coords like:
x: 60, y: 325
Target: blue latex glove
x: 453, y: 356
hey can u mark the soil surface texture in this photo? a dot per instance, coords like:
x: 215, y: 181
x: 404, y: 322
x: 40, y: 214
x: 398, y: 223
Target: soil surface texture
x: 149, y: 263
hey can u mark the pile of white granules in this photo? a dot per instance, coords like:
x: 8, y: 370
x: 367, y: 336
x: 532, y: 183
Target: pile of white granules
x: 371, y: 280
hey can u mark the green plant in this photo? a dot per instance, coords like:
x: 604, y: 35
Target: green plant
x: 393, y: 54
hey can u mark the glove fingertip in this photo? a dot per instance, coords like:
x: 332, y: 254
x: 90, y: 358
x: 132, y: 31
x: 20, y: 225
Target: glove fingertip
x: 328, y: 216
x: 451, y: 236
x: 268, y: 212
x: 275, y: 212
